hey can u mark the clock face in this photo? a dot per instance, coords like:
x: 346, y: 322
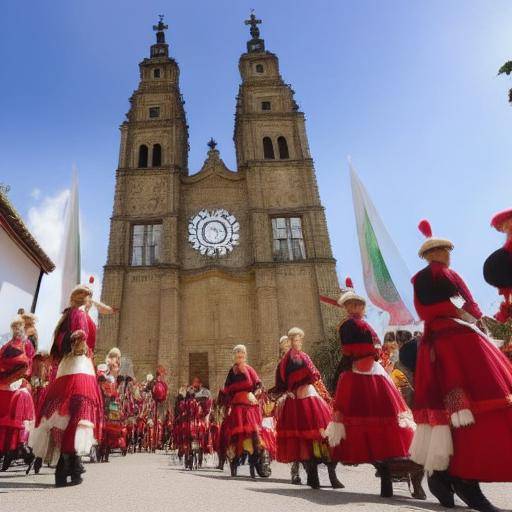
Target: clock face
x: 214, y: 233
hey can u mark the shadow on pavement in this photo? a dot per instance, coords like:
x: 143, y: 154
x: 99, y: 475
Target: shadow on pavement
x: 344, y: 497
x: 13, y: 486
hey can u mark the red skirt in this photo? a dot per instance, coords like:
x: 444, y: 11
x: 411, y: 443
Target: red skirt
x: 459, y: 368
x: 16, y: 412
x: 377, y: 422
x: 243, y: 420
x: 299, y: 426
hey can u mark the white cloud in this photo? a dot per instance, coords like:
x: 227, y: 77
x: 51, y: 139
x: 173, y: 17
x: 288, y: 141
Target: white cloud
x: 46, y: 223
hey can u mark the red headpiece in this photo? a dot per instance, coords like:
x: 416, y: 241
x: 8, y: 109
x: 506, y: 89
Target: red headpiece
x: 349, y: 283
x: 500, y: 217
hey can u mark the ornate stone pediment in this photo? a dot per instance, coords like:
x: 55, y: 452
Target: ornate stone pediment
x: 213, y: 166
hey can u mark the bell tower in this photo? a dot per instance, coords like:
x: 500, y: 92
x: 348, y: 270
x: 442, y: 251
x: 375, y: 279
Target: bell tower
x: 291, y: 247
x: 140, y: 276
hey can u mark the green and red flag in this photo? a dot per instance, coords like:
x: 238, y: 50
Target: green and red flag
x: 374, y: 240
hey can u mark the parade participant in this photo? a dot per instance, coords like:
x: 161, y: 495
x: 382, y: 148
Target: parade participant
x: 17, y: 412
x: 114, y: 433
x: 41, y: 371
x: 304, y: 415
x: 29, y: 320
x: 498, y: 266
x: 243, y: 422
x: 463, y: 385
x: 284, y: 346
x: 371, y: 422
x: 71, y: 415
x: 204, y: 398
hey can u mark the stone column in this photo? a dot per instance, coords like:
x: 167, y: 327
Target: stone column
x: 168, y: 343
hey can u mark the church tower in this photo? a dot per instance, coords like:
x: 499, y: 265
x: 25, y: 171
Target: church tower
x: 140, y: 276
x: 293, y: 262
x: 199, y: 262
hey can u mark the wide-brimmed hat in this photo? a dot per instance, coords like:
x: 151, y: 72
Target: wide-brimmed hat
x: 431, y: 242
x: 500, y: 217
x: 349, y: 293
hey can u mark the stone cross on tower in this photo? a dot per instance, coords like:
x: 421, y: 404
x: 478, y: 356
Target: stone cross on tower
x: 159, y: 29
x: 255, y: 44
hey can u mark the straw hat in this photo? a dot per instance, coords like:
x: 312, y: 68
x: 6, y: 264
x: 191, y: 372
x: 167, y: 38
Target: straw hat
x: 431, y: 242
x: 348, y: 293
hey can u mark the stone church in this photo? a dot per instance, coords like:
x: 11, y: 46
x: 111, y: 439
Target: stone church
x: 201, y: 261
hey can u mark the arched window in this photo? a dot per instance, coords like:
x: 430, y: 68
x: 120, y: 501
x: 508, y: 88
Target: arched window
x: 283, y: 148
x: 156, y: 73
x: 259, y: 68
x: 157, y: 156
x: 268, y: 148
x: 143, y: 156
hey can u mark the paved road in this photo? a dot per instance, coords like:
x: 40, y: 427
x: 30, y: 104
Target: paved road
x: 154, y: 483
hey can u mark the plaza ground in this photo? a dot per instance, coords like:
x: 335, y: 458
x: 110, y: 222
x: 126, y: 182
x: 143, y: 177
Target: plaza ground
x: 157, y: 483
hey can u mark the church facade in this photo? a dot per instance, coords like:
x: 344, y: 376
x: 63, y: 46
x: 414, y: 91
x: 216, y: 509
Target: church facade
x: 199, y: 262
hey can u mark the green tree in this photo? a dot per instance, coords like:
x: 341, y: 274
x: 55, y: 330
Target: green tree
x: 506, y: 69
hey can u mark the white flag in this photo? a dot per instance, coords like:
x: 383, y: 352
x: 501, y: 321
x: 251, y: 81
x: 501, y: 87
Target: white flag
x: 70, y: 253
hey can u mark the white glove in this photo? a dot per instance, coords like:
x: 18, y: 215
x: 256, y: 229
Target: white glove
x: 335, y: 433
x: 462, y: 418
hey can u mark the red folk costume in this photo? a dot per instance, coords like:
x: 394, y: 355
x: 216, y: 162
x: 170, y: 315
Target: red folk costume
x: 17, y: 413
x: 305, y: 414
x: 498, y: 266
x: 71, y: 415
x: 463, y: 383
x: 376, y: 424
x: 243, y: 423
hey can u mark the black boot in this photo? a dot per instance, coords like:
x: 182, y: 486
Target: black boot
x: 331, y: 469
x: 222, y: 461
x: 440, y: 486
x: 38, y: 463
x: 61, y: 471
x: 470, y: 493
x: 417, y: 489
x: 386, y: 484
x: 312, y: 471
x: 6, y: 463
x: 233, y: 466
x: 76, y: 470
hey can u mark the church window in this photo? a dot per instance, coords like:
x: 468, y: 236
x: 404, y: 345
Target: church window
x: 288, y: 239
x: 266, y: 105
x: 157, y: 156
x: 259, y: 68
x: 268, y: 148
x: 143, y: 156
x: 146, y: 244
x: 156, y: 73
x: 154, y: 112
x: 283, y: 148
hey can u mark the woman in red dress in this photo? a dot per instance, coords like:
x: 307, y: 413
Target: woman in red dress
x: 243, y: 422
x: 371, y: 421
x: 305, y: 414
x: 17, y: 413
x: 463, y: 387
x: 69, y: 421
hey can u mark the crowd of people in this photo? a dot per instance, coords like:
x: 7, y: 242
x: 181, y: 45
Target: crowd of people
x: 435, y: 403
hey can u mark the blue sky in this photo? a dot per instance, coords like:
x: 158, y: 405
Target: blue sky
x: 409, y: 89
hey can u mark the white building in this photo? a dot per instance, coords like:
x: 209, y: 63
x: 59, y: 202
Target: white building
x: 22, y: 265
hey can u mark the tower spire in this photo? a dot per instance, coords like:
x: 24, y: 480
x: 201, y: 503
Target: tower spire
x: 256, y: 44
x: 160, y: 49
